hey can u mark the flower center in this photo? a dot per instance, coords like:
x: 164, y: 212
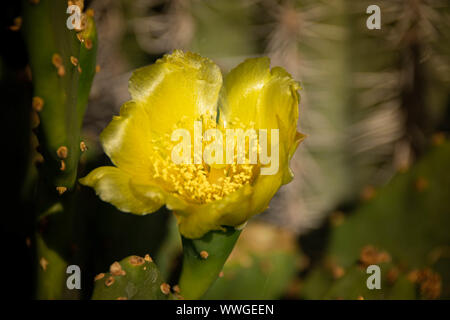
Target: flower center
x: 199, y: 183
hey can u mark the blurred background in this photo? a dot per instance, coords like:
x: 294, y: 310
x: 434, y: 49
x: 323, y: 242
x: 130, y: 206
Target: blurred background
x: 372, y: 180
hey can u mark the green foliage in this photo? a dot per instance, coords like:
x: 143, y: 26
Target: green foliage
x: 133, y: 278
x: 408, y: 220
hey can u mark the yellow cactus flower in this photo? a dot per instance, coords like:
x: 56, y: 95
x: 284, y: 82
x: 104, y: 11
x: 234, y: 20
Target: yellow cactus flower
x: 176, y: 91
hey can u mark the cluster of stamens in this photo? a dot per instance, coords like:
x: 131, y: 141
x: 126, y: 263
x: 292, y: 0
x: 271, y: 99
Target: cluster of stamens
x: 198, y: 182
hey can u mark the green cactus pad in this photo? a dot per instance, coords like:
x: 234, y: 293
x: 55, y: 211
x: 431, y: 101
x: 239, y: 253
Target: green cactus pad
x: 409, y: 220
x: 63, y: 64
x: 133, y: 278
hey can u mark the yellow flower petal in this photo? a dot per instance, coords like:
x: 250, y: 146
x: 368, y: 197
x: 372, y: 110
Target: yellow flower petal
x: 118, y: 188
x: 254, y: 93
x: 196, y: 220
x: 127, y: 140
x: 268, y: 99
x: 178, y: 88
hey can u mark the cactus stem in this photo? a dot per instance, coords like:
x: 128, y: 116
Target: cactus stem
x: 197, y: 275
x: 50, y: 46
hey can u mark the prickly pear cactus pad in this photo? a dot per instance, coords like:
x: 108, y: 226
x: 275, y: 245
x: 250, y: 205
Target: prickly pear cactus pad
x: 403, y: 228
x: 63, y: 65
x: 133, y: 278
